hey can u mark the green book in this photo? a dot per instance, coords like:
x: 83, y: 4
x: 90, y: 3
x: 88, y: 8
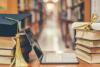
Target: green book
x: 3, y: 4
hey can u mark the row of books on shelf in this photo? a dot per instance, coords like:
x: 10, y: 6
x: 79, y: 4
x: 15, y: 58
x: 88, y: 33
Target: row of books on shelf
x: 29, y: 5
x: 74, y: 12
x: 88, y: 45
x: 71, y: 3
x: 22, y: 5
x: 34, y: 7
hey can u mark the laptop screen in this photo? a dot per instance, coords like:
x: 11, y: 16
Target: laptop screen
x: 29, y: 35
x: 34, y: 43
x: 26, y: 47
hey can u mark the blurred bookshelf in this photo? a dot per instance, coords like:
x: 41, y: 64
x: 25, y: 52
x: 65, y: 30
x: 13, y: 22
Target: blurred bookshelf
x: 8, y: 7
x: 34, y: 7
x: 77, y: 10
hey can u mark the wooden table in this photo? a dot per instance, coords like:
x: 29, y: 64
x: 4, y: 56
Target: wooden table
x: 81, y: 64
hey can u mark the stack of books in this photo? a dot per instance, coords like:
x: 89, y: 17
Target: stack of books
x: 88, y: 45
x: 10, y: 25
x: 7, y: 47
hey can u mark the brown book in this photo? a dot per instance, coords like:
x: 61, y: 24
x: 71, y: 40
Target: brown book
x: 90, y: 58
x: 88, y: 43
x: 89, y: 35
x: 88, y: 50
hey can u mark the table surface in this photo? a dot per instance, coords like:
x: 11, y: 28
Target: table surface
x: 81, y: 64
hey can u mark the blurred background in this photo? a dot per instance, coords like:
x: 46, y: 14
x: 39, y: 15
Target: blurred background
x: 57, y: 34
x: 51, y: 19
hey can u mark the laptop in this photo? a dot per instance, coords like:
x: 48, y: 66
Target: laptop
x: 50, y: 58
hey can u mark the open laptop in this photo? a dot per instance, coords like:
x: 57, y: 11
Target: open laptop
x: 50, y: 58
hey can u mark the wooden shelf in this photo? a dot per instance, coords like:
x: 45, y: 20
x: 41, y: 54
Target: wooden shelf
x: 87, y: 10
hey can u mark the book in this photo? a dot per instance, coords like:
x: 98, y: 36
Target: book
x: 69, y: 14
x: 7, y: 43
x: 89, y: 35
x: 69, y: 3
x: 33, y: 16
x: 5, y: 60
x: 87, y: 49
x: 90, y: 58
x: 79, y: 1
x: 88, y: 43
x: 31, y: 4
x: 21, y: 5
x: 5, y: 52
x: 3, y: 5
x: 76, y: 13
x: 74, y: 2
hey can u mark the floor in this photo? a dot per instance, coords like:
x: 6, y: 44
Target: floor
x: 51, y: 37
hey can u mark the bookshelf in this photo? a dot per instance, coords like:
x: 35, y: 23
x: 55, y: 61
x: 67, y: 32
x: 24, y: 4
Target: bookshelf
x: 35, y: 7
x: 10, y: 7
x: 78, y: 10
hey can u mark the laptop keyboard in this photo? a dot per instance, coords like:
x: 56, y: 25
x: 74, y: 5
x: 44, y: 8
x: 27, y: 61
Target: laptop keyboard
x: 69, y: 57
x: 53, y: 57
x: 61, y: 58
